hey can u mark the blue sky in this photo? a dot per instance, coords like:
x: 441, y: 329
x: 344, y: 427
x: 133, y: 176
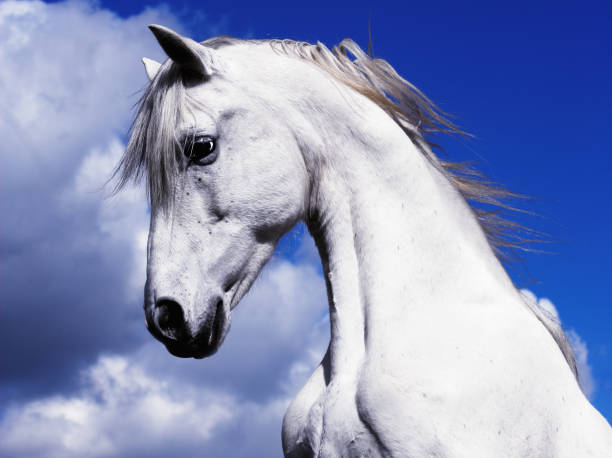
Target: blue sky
x: 531, y: 80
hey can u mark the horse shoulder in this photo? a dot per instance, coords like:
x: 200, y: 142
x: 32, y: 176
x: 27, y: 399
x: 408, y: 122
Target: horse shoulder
x: 498, y: 390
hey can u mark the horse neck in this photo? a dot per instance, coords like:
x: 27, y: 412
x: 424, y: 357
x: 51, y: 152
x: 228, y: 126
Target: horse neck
x: 396, y: 239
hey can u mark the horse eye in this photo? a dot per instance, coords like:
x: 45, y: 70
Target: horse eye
x: 201, y: 150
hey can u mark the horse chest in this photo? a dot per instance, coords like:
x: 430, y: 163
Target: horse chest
x: 328, y: 425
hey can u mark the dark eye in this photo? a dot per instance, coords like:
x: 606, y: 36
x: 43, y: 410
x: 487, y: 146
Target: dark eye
x: 201, y: 150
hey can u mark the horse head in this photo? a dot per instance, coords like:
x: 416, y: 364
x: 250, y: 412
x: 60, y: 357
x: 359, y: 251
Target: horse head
x: 226, y: 179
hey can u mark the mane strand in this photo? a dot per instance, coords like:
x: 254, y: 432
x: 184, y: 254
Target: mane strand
x: 153, y: 149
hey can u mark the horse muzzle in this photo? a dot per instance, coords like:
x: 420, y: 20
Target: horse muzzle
x: 167, y: 322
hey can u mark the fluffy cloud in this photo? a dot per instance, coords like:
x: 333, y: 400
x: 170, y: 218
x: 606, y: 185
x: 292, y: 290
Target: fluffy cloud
x: 581, y: 352
x: 120, y: 411
x: 70, y: 73
x: 585, y: 375
x: 120, y: 219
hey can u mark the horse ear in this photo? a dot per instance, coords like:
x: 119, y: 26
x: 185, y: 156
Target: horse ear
x: 151, y: 67
x: 184, y: 52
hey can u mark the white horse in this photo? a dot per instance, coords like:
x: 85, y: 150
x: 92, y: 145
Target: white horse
x: 433, y: 352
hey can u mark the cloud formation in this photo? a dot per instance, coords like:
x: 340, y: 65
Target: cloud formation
x: 581, y: 353
x: 121, y: 411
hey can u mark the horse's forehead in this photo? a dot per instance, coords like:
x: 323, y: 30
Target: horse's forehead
x: 247, y: 74
x: 215, y: 99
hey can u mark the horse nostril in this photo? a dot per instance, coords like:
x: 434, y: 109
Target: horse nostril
x: 170, y: 318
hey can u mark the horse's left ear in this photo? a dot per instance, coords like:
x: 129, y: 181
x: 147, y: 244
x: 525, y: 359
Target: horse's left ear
x: 191, y: 57
x: 151, y: 67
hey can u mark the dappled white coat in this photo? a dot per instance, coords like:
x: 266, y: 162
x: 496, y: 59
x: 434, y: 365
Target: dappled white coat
x: 433, y: 351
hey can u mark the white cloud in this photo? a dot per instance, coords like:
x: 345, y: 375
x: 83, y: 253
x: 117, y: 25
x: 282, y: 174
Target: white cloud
x: 72, y: 71
x: 121, y: 218
x: 581, y: 352
x: 121, y: 411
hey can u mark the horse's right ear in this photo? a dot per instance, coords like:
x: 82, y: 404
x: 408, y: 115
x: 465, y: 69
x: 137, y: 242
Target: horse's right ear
x: 191, y: 57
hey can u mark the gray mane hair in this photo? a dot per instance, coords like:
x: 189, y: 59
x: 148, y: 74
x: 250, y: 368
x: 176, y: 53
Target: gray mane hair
x: 154, y: 151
